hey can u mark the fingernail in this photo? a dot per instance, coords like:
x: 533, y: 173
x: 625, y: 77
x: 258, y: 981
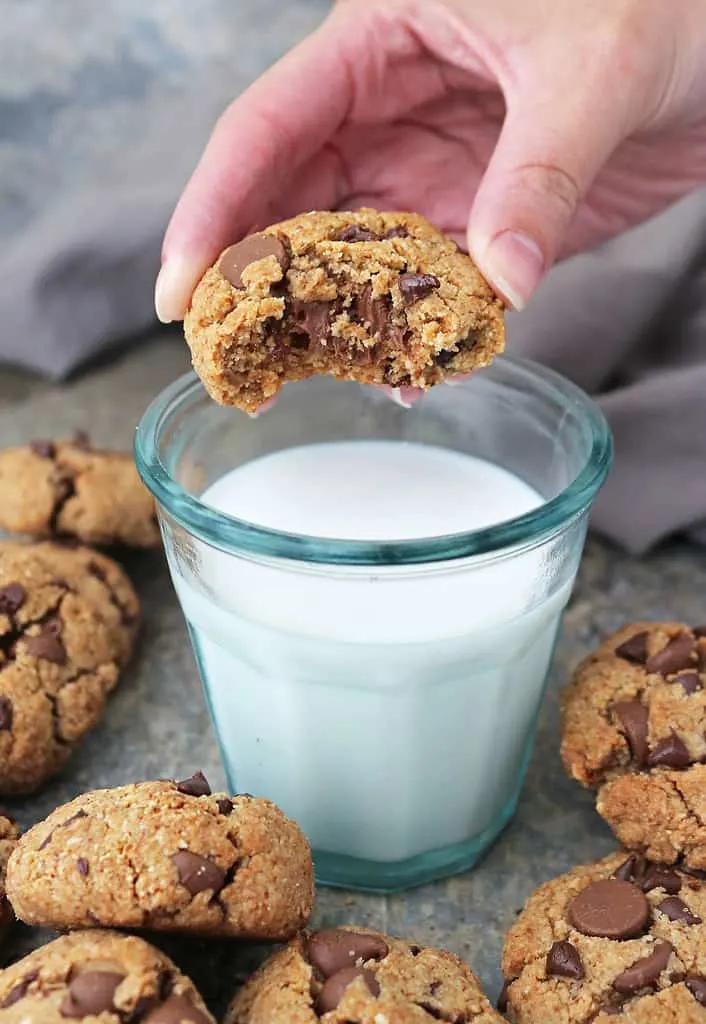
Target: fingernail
x: 264, y: 407
x: 514, y: 265
x: 406, y: 397
x: 173, y: 288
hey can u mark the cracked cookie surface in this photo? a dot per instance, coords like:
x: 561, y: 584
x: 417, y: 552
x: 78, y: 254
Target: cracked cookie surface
x: 359, y: 976
x: 68, y: 620
x: 635, y: 728
x: 166, y: 856
x: 69, y: 489
x: 621, y: 940
x: 98, y: 976
x: 380, y: 298
x: 8, y: 837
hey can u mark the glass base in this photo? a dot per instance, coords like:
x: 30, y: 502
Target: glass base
x: 337, y: 871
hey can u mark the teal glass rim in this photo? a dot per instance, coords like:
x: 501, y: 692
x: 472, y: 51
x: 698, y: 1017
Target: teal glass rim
x: 237, y: 535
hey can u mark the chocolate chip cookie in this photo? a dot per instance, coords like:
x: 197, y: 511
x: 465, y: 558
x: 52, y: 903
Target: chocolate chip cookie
x: 68, y: 620
x: 98, y: 976
x: 360, y: 977
x: 623, y: 938
x: 69, y: 489
x: 380, y: 298
x: 169, y: 856
x: 635, y: 728
x: 8, y: 838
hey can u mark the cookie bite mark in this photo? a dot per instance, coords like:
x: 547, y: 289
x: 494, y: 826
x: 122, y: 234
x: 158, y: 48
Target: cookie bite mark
x: 380, y: 298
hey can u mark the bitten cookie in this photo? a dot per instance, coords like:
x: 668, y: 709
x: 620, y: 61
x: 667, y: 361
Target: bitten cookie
x: 98, y: 976
x: 68, y: 489
x: 169, y: 856
x: 68, y: 620
x: 635, y: 728
x: 622, y: 939
x: 380, y: 298
x: 360, y: 977
x: 8, y: 838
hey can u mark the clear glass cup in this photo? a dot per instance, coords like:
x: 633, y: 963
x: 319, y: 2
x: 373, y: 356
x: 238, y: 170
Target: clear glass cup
x: 399, y: 743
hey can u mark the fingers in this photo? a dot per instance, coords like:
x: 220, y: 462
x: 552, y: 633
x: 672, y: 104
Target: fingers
x: 256, y: 148
x: 551, y: 147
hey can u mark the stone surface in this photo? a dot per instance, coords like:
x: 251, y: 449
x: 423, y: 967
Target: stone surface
x: 157, y: 725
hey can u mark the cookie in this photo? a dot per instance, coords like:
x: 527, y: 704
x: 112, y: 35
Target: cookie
x: 621, y: 940
x: 68, y: 619
x: 635, y: 728
x: 8, y: 838
x: 98, y: 976
x: 165, y: 856
x: 359, y: 976
x: 69, y: 489
x: 380, y: 298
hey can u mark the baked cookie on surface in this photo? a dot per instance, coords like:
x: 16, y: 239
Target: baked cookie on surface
x: 68, y: 621
x: 635, y: 728
x: 98, y: 976
x: 167, y: 856
x: 69, y: 489
x: 380, y: 298
x: 360, y: 977
x: 8, y: 837
x: 621, y: 940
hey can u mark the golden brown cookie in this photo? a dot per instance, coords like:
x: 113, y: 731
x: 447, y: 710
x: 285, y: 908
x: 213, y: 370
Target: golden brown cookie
x: 635, y: 728
x: 380, y: 298
x: 358, y: 976
x: 99, y: 977
x: 621, y: 940
x: 8, y: 838
x: 68, y: 620
x: 69, y: 489
x: 166, y: 856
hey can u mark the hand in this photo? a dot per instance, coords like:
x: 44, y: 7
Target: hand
x: 529, y: 129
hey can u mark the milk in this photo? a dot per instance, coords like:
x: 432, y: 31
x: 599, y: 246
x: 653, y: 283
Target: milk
x: 388, y: 710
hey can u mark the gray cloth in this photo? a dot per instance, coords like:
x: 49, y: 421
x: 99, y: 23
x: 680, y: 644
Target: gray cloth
x: 626, y: 322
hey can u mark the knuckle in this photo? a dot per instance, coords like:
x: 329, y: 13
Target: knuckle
x: 550, y: 180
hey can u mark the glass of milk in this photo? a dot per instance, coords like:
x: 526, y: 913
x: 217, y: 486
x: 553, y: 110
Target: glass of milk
x: 373, y: 595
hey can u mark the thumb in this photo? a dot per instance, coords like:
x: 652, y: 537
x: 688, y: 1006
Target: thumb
x: 549, y: 151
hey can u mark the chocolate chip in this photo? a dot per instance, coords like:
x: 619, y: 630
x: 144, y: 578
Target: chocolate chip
x: 697, y: 987
x: 5, y: 714
x: 253, y: 248
x: 310, y: 318
x: 634, y: 649
x: 398, y: 232
x: 19, y: 991
x: 676, y: 910
x: 415, y: 287
x: 564, y: 961
x: 657, y: 877
x: 355, y: 233
x: 90, y: 993
x: 645, y: 973
x: 198, y: 874
x: 669, y: 752
x: 44, y: 449
x: 225, y: 806
x: 48, y: 644
x: 610, y: 908
x: 82, y: 866
x: 197, y: 785
x: 331, y: 950
x: 176, y: 1010
x: 12, y: 597
x: 633, y: 718
x: 445, y: 357
x: 674, y: 657
x: 689, y: 682
x: 334, y: 988
x: 631, y: 869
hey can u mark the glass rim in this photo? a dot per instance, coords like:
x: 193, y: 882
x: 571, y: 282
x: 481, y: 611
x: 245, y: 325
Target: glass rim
x: 228, y: 533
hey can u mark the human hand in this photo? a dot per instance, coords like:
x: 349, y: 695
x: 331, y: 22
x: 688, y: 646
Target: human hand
x: 529, y: 129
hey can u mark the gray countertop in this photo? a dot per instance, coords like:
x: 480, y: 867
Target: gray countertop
x: 157, y: 724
